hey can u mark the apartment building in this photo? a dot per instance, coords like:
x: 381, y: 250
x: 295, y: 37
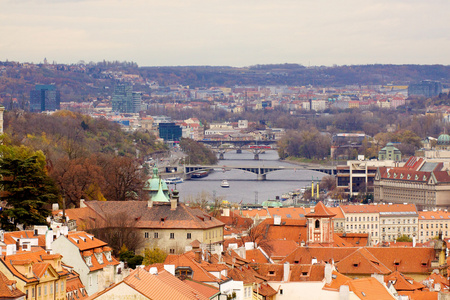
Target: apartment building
x: 362, y: 219
x: 431, y: 223
x: 383, y: 223
x: 397, y: 220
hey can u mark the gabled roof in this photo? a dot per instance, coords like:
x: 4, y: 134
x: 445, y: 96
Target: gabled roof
x: 402, y: 282
x: 187, y: 260
x: 361, y: 262
x: 38, y: 265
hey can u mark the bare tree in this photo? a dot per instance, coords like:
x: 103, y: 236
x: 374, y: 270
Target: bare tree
x: 117, y: 230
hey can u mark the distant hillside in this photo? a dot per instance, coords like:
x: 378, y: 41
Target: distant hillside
x: 96, y: 80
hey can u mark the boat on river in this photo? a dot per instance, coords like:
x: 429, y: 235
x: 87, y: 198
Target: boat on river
x: 199, y: 174
x: 224, y: 184
x: 173, y: 180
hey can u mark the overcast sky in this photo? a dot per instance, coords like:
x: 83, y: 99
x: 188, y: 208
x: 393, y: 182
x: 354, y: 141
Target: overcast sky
x: 226, y: 32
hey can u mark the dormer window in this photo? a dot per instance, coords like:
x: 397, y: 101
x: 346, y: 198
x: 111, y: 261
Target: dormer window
x: 388, y: 175
x: 401, y: 176
x: 271, y: 272
x: 424, y: 178
x: 416, y: 177
x: 99, y: 257
x: 408, y: 177
x: 108, y: 256
x: 88, y: 260
x: 395, y: 175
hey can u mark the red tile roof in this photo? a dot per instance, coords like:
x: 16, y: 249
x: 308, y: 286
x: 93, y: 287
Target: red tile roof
x: 361, y: 262
x: 402, y: 282
x: 369, y: 289
x: 8, y: 288
x: 320, y: 210
x: 161, y: 286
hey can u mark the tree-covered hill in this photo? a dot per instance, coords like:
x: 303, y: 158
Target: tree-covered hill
x: 86, y: 157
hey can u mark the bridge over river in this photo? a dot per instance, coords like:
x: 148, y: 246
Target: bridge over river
x: 260, y: 171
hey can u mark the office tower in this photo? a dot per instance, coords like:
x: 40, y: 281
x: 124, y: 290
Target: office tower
x: 44, y: 97
x: 125, y: 100
x: 426, y: 88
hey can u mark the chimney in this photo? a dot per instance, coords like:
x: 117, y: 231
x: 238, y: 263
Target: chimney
x: 286, y: 270
x: 82, y: 203
x: 414, y: 241
x: 276, y: 220
x: 173, y: 204
x: 226, y: 212
x: 176, y: 195
x: 2, y: 235
x: 328, y: 273
x: 198, y: 256
x: 344, y: 292
x: 48, y: 240
x: 150, y: 203
x: 55, y: 207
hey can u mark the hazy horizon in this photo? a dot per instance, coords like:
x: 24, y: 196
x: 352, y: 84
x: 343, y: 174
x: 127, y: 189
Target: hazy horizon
x: 233, y: 33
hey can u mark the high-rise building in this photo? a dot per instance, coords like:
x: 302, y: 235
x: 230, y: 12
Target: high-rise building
x: 170, y: 132
x: 44, y: 97
x: 426, y: 88
x: 125, y: 100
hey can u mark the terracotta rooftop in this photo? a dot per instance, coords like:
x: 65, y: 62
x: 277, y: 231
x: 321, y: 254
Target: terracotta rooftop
x: 402, y: 282
x: 161, y: 286
x: 158, y: 216
x: 369, y: 289
x: 320, y: 210
x: 8, y: 288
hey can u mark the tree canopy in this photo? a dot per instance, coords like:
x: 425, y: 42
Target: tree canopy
x: 27, y: 190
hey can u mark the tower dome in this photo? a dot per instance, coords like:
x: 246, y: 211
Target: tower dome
x: 443, y: 139
x: 152, y: 185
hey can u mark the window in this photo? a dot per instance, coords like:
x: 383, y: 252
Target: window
x: 155, y: 235
x: 172, y: 235
x: 281, y: 291
x: 146, y: 234
x: 317, y: 224
x: 56, y: 287
x: 172, y: 251
x: 39, y: 291
x: 45, y: 290
x: 189, y: 236
x: 32, y: 292
x: 62, y: 286
x: 51, y: 289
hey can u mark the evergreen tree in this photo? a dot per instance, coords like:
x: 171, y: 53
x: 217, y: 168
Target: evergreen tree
x: 27, y: 190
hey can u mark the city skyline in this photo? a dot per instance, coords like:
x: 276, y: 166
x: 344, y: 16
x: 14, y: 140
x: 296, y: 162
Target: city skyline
x: 231, y: 33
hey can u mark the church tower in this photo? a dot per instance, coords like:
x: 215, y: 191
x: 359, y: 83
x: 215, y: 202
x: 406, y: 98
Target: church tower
x: 320, y: 225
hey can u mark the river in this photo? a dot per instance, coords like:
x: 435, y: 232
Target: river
x: 244, y: 186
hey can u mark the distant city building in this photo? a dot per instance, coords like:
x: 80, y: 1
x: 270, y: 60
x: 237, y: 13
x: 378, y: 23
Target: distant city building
x: 424, y: 182
x: 390, y: 153
x: 2, y: 109
x: 170, y: 132
x: 44, y: 97
x: 124, y: 100
x: 426, y: 88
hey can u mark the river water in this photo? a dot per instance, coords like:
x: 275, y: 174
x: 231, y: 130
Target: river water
x: 244, y: 186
